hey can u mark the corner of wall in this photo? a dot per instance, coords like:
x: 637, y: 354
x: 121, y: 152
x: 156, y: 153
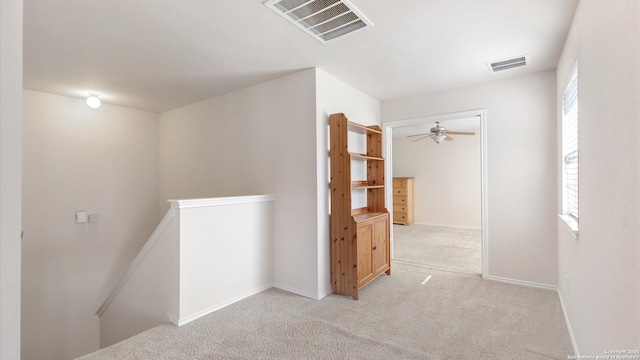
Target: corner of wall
x: 10, y: 176
x: 572, y: 337
x: 333, y: 96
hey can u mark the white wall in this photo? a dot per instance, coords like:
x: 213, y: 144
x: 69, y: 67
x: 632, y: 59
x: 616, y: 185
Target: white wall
x: 602, y: 291
x: 10, y: 175
x: 447, y: 179
x: 151, y: 294
x: 334, y: 96
x: 259, y: 140
x: 205, y: 254
x: 226, y: 253
x: 522, y: 165
x: 104, y: 161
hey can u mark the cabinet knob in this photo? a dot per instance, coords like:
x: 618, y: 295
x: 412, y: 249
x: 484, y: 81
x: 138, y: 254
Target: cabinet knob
x: 374, y: 247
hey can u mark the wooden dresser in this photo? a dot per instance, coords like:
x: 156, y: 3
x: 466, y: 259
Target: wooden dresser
x: 403, y: 201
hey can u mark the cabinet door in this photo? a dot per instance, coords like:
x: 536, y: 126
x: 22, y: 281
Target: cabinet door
x: 380, y: 249
x: 365, y: 241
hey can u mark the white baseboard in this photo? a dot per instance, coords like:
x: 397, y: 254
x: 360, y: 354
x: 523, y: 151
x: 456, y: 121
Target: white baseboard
x: 569, y: 328
x: 299, y: 292
x: 327, y: 293
x: 451, y: 226
x: 521, y: 283
x: 217, y: 307
x: 574, y: 345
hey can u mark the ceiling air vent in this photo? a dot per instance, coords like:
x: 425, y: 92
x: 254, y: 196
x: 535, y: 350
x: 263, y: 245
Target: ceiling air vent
x: 323, y: 19
x: 509, y: 64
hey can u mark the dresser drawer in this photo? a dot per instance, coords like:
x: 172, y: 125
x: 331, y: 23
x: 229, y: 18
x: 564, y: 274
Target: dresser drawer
x: 400, y: 216
x: 399, y: 200
x: 400, y: 183
x: 399, y: 208
x: 400, y: 191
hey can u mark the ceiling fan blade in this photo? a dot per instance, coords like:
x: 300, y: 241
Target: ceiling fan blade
x: 424, y: 137
x: 461, y: 132
x: 449, y: 138
x: 427, y: 134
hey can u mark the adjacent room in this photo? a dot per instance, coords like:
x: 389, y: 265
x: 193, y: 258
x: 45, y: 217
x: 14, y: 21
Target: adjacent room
x: 178, y: 179
x: 437, y: 212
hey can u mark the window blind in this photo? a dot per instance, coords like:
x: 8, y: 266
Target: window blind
x: 570, y: 146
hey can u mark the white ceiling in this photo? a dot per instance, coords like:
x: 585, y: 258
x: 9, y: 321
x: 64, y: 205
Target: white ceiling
x: 159, y: 55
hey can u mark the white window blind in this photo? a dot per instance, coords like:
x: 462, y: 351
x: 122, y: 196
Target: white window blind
x: 570, y: 146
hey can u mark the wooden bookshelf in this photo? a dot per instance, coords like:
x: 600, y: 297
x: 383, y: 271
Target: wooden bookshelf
x: 360, y: 249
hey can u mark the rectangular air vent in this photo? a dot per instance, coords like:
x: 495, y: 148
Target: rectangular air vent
x: 509, y: 64
x: 323, y: 19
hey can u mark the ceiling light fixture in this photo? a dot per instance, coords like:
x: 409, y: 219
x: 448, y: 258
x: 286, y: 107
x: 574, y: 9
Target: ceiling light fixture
x: 438, y: 139
x: 93, y: 101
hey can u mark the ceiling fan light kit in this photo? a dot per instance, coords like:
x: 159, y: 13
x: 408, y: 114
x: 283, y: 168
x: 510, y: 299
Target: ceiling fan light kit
x: 438, y: 138
x: 439, y: 133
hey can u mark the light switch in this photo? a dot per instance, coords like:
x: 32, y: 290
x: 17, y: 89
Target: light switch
x: 93, y: 218
x: 81, y: 217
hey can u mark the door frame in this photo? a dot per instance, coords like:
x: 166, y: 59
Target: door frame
x: 387, y: 153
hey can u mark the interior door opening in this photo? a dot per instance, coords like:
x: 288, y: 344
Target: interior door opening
x: 438, y: 191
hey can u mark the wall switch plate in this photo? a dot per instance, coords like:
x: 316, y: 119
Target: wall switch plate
x: 81, y: 217
x: 94, y: 218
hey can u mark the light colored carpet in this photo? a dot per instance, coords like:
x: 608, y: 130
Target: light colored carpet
x: 439, y: 247
x: 402, y: 316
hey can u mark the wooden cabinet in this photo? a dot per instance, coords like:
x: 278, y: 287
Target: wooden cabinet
x: 373, y: 240
x: 364, y: 235
x: 403, y: 201
x: 380, y: 250
x: 359, y: 236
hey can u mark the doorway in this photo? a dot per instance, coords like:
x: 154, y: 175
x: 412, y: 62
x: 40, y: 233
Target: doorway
x: 422, y: 125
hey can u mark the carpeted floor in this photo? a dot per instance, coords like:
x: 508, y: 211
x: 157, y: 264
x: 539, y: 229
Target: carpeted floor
x: 416, y: 313
x: 439, y: 247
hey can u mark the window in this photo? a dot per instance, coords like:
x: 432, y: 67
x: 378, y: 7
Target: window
x: 570, y: 150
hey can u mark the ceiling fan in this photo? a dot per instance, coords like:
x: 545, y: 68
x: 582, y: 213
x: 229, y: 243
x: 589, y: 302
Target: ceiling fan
x: 440, y: 133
